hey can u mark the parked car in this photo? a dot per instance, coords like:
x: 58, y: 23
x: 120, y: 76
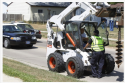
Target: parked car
x: 12, y: 36
x: 27, y: 28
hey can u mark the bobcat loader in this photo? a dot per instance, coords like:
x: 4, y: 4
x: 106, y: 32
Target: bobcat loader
x: 65, y: 48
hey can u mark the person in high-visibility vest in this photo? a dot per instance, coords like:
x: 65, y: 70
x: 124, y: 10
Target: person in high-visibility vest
x: 98, y: 56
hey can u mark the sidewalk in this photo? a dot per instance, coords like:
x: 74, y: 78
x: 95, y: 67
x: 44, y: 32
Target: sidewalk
x: 115, y: 39
x: 7, y: 78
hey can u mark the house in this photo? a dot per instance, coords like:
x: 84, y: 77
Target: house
x: 37, y: 11
x: 4, y: 7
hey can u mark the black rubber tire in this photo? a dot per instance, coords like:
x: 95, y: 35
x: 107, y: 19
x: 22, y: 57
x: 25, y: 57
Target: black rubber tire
x: 6, y: 43
x: 30, y: 46
x: 59, y: 63
x: 79, y: 67
x: 109, y: 64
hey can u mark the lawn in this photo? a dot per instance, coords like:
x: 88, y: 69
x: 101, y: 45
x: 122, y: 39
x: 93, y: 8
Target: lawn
x: 42, y: 27
x: 114, y: 34
x: 31, y: 74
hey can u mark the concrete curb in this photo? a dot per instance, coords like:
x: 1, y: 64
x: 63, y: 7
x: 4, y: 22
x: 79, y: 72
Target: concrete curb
x: 7, y: 78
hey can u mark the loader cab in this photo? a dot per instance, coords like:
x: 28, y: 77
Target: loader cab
x: 73, y: 28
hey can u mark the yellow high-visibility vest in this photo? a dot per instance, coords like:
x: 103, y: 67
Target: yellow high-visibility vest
x: 97, y: 43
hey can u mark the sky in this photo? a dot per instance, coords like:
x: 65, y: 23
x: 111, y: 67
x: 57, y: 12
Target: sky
x: 8, y: 2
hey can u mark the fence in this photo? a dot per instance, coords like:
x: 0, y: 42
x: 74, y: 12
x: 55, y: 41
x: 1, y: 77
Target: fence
x: 12, y: 17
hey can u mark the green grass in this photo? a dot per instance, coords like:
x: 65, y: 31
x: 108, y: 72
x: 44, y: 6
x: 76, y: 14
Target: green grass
x: 24, y: 76
x: 114, y: 44
x: 39, y: 27
x: 113, y: 34
x: 43, y: 27
x: 31, y: 74
x: 44, y: 34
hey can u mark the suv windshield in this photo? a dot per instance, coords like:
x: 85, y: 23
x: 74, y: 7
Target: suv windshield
x: 11, y: 28
x: 24, y: 26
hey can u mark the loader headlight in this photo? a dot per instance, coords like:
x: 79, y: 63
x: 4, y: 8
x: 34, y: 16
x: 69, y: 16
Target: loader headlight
x: 34, y: 37
x: 15, y: 38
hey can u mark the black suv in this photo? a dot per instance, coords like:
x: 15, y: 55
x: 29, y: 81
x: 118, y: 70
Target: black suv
x: 12, y: 35
x: 27, y: 28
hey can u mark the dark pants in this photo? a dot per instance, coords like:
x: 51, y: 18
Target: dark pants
x: 97, y: 58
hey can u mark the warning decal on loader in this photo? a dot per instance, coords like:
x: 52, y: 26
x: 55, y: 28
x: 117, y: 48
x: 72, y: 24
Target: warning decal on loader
x: 49, y: 44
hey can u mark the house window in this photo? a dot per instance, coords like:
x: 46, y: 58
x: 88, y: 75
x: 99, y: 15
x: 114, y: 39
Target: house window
x: 40, y: 11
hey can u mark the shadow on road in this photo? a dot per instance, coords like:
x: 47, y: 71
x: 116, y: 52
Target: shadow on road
x: 87, y: 73
x: 120, y: 75
x: 23, y: 47
x: 39, y: 42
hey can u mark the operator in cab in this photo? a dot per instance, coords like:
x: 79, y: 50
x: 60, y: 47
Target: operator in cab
x: 84, y: 37
x: 98, y: 55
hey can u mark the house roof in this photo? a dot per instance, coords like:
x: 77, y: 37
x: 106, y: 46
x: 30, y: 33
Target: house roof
x: 50, y: 4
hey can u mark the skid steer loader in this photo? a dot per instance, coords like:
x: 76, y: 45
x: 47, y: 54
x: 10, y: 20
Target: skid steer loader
x: 65, y: 48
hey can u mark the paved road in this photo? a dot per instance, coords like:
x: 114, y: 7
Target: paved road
x: 36, y: 57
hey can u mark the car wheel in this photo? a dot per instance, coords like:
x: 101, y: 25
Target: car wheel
x: 30, y: 46
x: 6, y: 43
x: 75, y: 67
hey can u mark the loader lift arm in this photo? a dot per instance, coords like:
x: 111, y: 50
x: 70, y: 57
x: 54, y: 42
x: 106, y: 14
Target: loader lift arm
x: 57, y: 19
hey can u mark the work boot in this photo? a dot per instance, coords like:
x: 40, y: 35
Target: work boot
x: 99, y: 77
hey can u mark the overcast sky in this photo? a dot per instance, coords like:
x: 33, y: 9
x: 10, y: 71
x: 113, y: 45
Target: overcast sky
x: 8, y: 2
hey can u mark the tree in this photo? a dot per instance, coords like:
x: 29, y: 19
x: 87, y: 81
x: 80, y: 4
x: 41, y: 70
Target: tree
x: 113, y: 3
